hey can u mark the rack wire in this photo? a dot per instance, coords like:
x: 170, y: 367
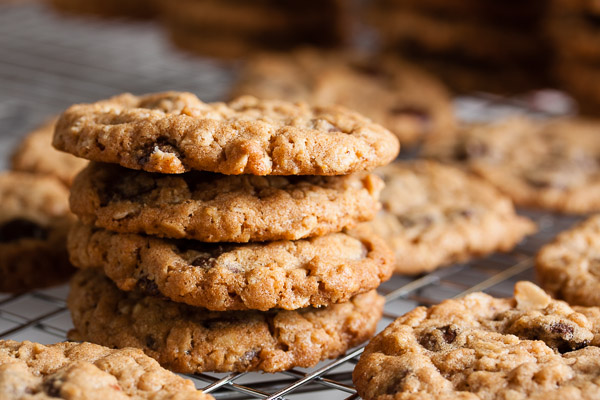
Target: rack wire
x: 48, y: 62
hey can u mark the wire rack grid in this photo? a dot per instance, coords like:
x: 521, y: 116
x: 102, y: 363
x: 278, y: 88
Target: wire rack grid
x: 48, y: 62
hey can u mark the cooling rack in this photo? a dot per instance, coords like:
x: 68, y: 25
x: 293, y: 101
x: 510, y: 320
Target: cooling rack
x: 48, y: 62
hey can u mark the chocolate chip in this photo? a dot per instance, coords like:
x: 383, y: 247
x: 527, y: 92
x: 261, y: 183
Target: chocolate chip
x: 52, y: 386
x: 20, y: 228
x: 562, y: 329
x: 148, y: 286
x: 439, y: 338
x: 161, y: 144
x: 449, y: 333
x: 151, y: 342
x: 204, y: 261
x: 211, y: 323
x: 470, y: 150
x: 466, y: 213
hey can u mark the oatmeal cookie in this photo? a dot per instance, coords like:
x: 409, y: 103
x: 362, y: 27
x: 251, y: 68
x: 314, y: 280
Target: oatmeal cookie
x: 188, y: 339
x: 86, y: 371
x: 212, y: 207
x: 174, y: 132
x: 218, y: 276
x: 435, y: 215
x: 480, y: 347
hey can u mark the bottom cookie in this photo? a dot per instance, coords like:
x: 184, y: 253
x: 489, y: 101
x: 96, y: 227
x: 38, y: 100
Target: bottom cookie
x: 188, y: 339
x: 86, y: 371
x: 480, y: 347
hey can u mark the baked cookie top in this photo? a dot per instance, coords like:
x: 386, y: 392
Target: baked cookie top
x: 283, y: 274
x: 569, y: 267
x: 175, y: 132
x: 480, y: 347
x: 222, y: 208
x: 83, y: 371
x: 35, y: 154
x: 434, y: 215
x: 189, y: 339
x: 551, y: 164
x: 403, y: 98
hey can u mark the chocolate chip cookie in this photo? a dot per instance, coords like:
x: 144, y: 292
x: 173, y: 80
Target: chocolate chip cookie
x: 284, y: 274
x: 35, y: 154
x: 188, y: 339
x: 34, y: 222
x: 212, y: 207
x: 86, y: 371
x: 569, y: 267
x: 553, y: 164
x: 480, y: 347
x: 175, y: 132
x: 434, y: 215
x: 403, y: 98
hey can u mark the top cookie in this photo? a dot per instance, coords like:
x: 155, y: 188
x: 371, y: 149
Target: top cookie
x: 480, y: 347
x: 569, y: 267
x: 36, y: 154
x: 86, y: 371
x: 549, y: 164
x: 406, y: 100
x: 175, y: 132
x: 434, y: 215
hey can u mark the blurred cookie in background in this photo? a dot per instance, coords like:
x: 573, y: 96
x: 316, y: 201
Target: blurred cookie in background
x: 35, y: 154
x: 34, y: 222
x: 498, y: 42
x: 106, y: 8
x: 405, y: 99
x: 549, y: 164
x: 236, y: 28
x: 434, y: 215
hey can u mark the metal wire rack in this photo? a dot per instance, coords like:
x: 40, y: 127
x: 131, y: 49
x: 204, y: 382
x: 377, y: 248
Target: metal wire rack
x: 48, y: 62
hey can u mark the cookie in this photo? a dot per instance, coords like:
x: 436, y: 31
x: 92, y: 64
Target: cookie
x: 35, y: 154
x: 175, y: 132
x: 34, y: 222
x: 480, y: 347
x: 435, y: 215
x: 581, y: 42
x: 86, y: 371
x: 283, y: 274
x: 403, y: 98
x: 189, y: 340
x: 106, y: 8
x: 581, y: 81
x: 222, y: 208
x: 549, y: 164
x: 569, y: 267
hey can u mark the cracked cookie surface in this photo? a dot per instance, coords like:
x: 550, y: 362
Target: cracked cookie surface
x: 222, y: 208
x: 226, y: 276
x: 34, y: 222
x: 480, y: 347
x: 433, y: 215
x: 35, y: 154
x: 569, y: 267
x: 174, y: 132
x: 406, y: 100
x: 552, y: 164
x: 188, y: 339
x: 86, y: 371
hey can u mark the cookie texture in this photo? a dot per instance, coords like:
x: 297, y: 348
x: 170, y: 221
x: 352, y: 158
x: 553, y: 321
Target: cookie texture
x: 282, y: 274
x: 569, y: 267
x: 35, y: 154
x: 547, y: 164
x: 34, y: 222
x: 434, y: 215
x: 86, y: 371
x: 480, y: 347
x: 187, y: 339
x: 175, y: 132
x: 400, y: 96
x: 222, y: 208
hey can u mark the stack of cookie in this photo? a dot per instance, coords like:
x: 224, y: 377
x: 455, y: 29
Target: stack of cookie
x: 222, y: 245
x: 234, y: 28
x: 471, y: 44
x: 574, y: 29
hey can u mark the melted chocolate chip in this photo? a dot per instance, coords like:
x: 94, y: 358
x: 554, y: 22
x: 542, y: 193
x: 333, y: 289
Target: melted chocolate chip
x: 151, y: 342
x: 148, y: 286
x: 204, y: 261
x: 562, y: 329
x: 467, y: 151
x: 52, y: 387
x: 449, y: 333
x: 211, y: 323
x: 161, y: 144
x: 20, y: 228
x: 439, y: 338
